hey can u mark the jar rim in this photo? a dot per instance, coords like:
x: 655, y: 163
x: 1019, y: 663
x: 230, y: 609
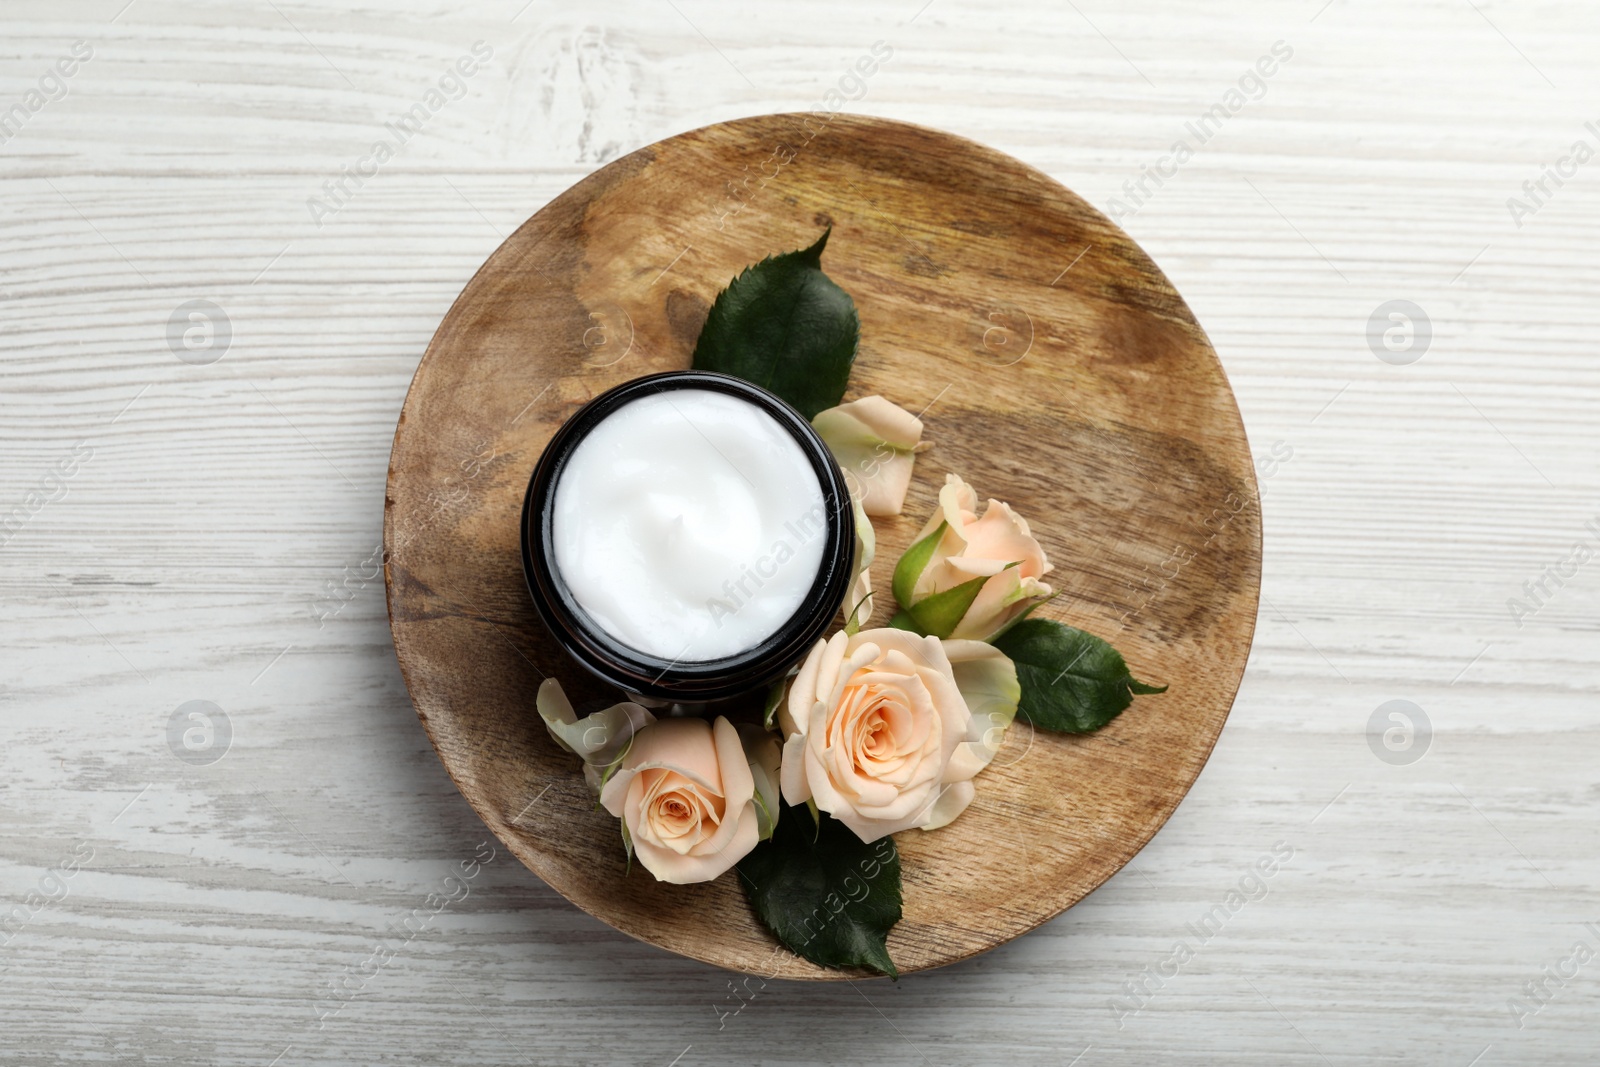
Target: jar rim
x: 645, y: 674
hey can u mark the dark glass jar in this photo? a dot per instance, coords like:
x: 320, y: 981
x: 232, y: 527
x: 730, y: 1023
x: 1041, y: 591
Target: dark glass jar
x: 645, y: 674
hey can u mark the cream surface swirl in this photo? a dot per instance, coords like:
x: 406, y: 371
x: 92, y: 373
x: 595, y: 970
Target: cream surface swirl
x: 688, y: 525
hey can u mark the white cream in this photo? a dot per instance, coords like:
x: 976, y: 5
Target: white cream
x: 689, y: 525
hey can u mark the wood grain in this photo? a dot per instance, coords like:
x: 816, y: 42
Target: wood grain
x: 1056, y: 368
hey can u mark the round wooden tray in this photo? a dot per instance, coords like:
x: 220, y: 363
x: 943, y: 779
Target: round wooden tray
x: 1056, y: 368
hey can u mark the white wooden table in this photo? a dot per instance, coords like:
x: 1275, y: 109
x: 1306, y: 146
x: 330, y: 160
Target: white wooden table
x: 190, y: 506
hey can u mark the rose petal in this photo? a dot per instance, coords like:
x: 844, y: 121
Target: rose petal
x: 668, y: 866
x: 958, y: 504
x: 1002, y: 534
x: 952, y: 802
x: 599, y: 738
x: 738, y: 784
x: 795, y: 711
x: 966, y: 568
x: 615, y: 793
x: 938, y: 574
x: 1001, y: 601
x: 875, y: 442
x: 846, y: 665
x: 988, y: 682
x: 886, y: 420
x: 682, y: 745
x: 858, y: 601
x: 792, y: 775
x: 764, y: 756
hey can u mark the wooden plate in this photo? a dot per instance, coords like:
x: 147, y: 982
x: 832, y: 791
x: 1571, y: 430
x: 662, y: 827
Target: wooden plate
x: 1056, y: 369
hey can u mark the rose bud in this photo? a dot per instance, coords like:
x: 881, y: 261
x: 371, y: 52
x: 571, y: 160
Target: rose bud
x: 966, y: 577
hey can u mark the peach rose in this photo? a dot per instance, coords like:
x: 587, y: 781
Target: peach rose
x: 885, y: 730
x: 686, y: 792
x: 971, y: 578
x: 875, y: 442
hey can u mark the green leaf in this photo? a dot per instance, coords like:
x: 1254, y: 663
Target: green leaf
x: 787, y: 327
x: 913, y: 563
x: 937, y: 615
x: 903, y: 621
x: 826, y: 894
x: 1071, y: 681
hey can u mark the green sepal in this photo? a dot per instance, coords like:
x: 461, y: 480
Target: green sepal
x: 766, y: 820
x: 939, y: 614
x: 913, y: 563
x: 902, y: 620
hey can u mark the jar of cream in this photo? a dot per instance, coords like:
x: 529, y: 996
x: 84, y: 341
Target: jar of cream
x: 687, y: 536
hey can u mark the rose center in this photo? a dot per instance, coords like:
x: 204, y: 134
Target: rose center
x: 676, y: 815
x: 880, y: 730
x: 879, y: 740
